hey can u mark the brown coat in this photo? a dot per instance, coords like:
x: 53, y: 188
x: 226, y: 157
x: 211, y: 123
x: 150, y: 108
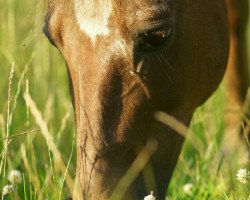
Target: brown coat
x: 126, y: 61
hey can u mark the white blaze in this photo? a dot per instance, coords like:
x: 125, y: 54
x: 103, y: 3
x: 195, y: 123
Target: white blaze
x: 93, y: 16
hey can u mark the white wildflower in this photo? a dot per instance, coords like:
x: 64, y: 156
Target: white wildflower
x: 150, y: 197
x: 7, y: 189
x: 243, y: 175
x: 15, y: 176
x: 187, y: 188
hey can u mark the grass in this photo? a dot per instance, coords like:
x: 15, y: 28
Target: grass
x: 37, y: 125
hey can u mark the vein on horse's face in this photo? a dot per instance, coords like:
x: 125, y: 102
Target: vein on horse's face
x: 92, y: 16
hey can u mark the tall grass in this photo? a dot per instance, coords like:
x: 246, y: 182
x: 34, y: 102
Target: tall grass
x: 36, y: 116
x: 37, y: 130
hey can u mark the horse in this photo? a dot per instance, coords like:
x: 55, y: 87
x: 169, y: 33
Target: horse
x: 130, y: 62
x: 237, y: 74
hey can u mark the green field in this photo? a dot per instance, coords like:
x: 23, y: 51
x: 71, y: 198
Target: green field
x: 37, y: 128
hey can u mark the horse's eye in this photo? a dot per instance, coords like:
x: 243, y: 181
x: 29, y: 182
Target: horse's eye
x: 154, y: 38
